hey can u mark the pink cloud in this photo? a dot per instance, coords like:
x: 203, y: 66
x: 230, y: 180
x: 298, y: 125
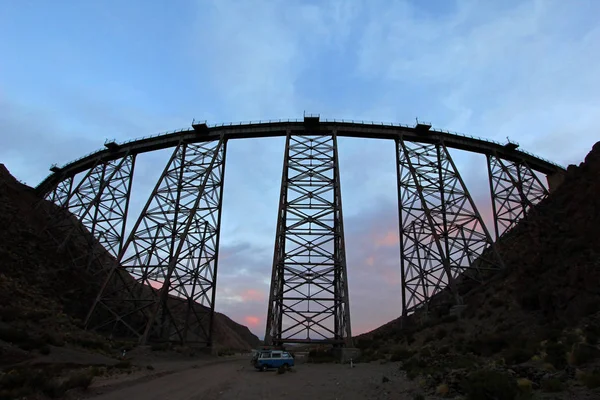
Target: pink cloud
x: 390, y: 238
x: 251, y: 321
x: 370, y: 261
x: 252, y: 295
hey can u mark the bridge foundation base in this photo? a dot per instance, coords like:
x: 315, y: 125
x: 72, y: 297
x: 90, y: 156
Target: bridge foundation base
x: 345, y: 354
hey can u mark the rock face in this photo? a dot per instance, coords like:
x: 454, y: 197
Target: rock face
x: 41, y: 293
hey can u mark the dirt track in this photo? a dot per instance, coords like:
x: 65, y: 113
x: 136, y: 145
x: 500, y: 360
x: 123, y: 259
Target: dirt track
x: 236, y: 379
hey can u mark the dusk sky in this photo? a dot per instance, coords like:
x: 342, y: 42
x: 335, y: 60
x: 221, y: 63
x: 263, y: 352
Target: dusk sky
x: 75, y: 73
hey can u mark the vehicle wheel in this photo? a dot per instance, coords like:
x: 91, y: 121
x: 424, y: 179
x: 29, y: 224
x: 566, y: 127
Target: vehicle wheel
x: 286, y: 366
x: 263, y: 368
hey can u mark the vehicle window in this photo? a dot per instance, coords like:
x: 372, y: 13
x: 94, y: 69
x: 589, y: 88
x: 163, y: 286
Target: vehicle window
x: 287, y: 355
x: 276, y: 355
x: 265, y: 355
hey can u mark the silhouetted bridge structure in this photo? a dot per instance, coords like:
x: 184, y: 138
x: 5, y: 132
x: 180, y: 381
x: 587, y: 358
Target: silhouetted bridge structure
x: 172, y: 250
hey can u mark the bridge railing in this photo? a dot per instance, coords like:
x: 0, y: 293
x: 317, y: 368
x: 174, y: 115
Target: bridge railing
x: 266, y: 121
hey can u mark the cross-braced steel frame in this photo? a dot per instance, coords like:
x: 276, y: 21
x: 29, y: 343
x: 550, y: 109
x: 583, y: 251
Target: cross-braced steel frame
x: 515, y: 189
x: 159, y: 281
x: 308, y: 299
x: 442, y: 234
x: 100, y: 203
x: 163, y: 286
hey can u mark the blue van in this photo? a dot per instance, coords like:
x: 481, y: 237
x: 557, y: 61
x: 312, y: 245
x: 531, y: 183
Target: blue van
x: 266, y: 359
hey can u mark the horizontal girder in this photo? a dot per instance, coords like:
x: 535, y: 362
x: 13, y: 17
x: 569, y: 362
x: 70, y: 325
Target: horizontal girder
x: 274, y: 129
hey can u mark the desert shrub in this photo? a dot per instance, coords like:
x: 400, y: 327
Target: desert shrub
x: 150, y: 367
x: 488, y: 345
x: 441, y: 333
x: 591, y: 379
x: 484, y: 384
x: 520, y: 351
x: 556, y: 354
x: 428, y: 338
x: 449, y: 319
x: 418, y: 396
x: 9, y: 313
x: 495, y: 303
x: 401, y: 354
x: 552, y: 385
x: 584, y: 353
x: 592, y: 333
x: 529, y: 301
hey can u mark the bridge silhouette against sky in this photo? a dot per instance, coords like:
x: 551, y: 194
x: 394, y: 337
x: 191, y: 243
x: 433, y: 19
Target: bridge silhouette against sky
x: 162, y: 285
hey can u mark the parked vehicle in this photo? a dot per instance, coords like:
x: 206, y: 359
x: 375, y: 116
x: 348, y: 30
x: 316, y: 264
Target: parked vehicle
x: 266, y: 359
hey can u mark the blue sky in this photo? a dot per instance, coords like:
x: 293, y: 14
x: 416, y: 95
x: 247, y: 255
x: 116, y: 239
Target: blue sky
x: 75, y: 73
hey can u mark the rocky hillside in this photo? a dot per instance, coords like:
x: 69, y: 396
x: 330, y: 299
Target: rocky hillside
x: 534, y: 327
x: 42, y: 298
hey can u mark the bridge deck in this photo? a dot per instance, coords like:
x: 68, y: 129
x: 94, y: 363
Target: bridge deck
x: 203, y: 133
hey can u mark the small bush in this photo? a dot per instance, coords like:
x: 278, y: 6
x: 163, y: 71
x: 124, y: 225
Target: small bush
x: 441, y: 333
x: 584, y: 353
x: 401, y: 354
x: 556, y: 354
x: 495, y: 303
x: 591, y: 379
x: 418, y: 396
x: 520, y: 352
x: 552, y: 385
x: 150, y: 367
x: 488, y: 345
x: 490, y: 385
x: 449, y: 318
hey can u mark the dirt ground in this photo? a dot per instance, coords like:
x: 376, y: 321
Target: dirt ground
x: 235, y: 378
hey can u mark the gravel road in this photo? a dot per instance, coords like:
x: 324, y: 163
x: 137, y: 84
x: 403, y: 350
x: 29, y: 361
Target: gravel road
x: 237, y: 379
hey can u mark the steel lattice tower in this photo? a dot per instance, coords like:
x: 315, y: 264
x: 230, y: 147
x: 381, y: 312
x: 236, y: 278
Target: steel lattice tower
x: 308, y: 300
x: 164, y: 285
x: 442, y: 234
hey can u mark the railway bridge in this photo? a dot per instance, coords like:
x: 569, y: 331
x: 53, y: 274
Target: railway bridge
x: 159, y: 281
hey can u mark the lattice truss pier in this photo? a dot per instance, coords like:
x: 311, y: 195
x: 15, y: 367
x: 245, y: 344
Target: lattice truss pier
x: 308, y: 299
x: 158, y: 269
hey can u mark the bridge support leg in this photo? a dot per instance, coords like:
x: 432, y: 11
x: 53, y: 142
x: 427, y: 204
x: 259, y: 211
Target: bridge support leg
x: 164, y: 287
x: 308, y: 300
x: 100, y: 203
x: 443, y: 239
x: 515, y: 189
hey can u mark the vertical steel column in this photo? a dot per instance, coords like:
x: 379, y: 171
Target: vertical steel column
x: 443, y: 237
x: 308, y: 300
x: 515, y: 189
x: 273, y: 323
x: 167, y: 276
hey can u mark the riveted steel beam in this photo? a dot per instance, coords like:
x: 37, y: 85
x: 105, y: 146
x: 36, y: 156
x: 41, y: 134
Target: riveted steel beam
x: 308, y: 300
x: 515, y: 189
x: 443, y: 238
x: 164, y: 287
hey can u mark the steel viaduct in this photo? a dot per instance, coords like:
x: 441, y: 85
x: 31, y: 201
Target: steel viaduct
x: 159, y: 281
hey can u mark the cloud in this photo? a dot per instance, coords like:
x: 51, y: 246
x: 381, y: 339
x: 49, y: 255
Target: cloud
x: 523, y: 69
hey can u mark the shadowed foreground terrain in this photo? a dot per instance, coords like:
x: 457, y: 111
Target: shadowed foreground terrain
x: 43, y: 300
x: 532, y: 329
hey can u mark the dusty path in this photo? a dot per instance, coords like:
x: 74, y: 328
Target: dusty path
x: 236, y: 379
